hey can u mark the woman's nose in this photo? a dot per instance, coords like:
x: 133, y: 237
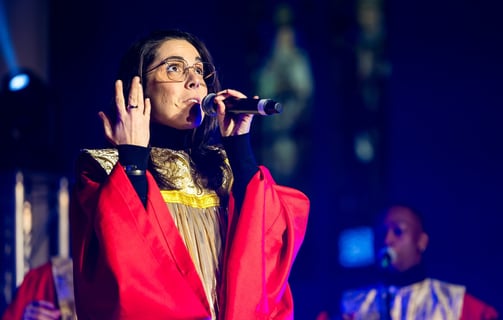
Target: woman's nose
x: 193, y: 79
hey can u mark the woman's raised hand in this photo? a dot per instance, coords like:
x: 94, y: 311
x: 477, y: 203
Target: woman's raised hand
x: 133, y: 118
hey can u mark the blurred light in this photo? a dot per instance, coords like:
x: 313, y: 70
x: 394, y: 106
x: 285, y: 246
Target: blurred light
x: 364, y: 148
x: 19, y: 82
x: 356, y: 247
x: 6, y: 46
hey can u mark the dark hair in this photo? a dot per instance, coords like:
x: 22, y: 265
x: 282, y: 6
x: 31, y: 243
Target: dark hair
x: 140, y: 56
x: 414, y: 210
x: 136, y: 61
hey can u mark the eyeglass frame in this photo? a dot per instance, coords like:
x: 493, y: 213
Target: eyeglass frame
x: 186, y: 69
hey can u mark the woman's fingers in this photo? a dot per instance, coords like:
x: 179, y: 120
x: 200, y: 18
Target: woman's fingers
x: 133, y: 115
x: 119, y: 97
x: 135, y: 94
x: 147, y: 109
x: 107, y: 127
x: 41, y: 310
x: 231, y: 93
x: 231, y: 124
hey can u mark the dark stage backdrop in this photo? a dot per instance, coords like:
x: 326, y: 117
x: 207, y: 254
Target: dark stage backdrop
x: 443, y: 113
x: 446, y: 154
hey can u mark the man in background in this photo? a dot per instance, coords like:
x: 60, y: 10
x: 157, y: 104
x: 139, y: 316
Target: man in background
x: 405, y: 290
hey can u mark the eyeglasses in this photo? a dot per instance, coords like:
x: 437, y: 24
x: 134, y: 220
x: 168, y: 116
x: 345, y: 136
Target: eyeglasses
x: 178, y: 70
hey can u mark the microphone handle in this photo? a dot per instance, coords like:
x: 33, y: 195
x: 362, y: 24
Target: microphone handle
x: 385, y: 261
x: 253, y: 106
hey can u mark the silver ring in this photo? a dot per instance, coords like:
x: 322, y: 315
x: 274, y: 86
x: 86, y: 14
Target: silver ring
x: 132, y: 107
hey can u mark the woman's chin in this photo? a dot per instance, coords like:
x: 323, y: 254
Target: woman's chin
x: 193, y: 124
x: 195, y: 117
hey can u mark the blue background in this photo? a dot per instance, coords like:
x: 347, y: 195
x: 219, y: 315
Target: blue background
x: 442, y: 149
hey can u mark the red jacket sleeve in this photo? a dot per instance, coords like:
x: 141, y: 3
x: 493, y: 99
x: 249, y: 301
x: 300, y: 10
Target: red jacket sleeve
x: 38, y: 284
x: 475, y: 309
x: 130, y: 261
x: 264, y: 239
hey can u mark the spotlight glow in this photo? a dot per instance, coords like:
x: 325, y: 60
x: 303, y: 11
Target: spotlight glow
x: 19, y: 82
x: 356, y: 247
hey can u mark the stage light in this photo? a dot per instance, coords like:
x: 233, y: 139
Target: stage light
x: 19, y: 81
x: 364, y: 147
x: 356, y: 247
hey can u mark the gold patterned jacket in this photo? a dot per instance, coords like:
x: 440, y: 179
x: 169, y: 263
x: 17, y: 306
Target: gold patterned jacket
x: 196, y: 210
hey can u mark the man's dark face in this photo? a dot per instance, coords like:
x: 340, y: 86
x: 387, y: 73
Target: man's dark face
x: 401, y: 230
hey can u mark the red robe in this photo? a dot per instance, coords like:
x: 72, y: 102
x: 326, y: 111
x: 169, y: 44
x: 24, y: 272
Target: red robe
x: 130, y: 262
x: 475, y: 309
x: 38, y: 284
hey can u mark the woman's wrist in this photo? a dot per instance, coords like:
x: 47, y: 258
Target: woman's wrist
x: 133, y: 170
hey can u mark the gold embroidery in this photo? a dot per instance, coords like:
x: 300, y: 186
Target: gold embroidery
x: 195, y: 208
x: 204, y: 201
x: 107, y: 158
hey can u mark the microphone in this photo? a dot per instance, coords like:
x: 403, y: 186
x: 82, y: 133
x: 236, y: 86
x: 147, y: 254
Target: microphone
x: 386, y: 257
x: 263, y: 107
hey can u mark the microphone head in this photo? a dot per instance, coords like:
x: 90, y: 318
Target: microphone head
x: 272, y: 107
x: 386, y: 257
x: 208, y: 105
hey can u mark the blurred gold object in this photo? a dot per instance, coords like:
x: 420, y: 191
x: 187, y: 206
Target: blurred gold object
x: 62, y: 270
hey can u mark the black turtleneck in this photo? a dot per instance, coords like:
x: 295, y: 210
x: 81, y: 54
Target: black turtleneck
x: 137, y: 156
x: 400, y: 279
x: 166, y: 137
x: 238, y: 149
